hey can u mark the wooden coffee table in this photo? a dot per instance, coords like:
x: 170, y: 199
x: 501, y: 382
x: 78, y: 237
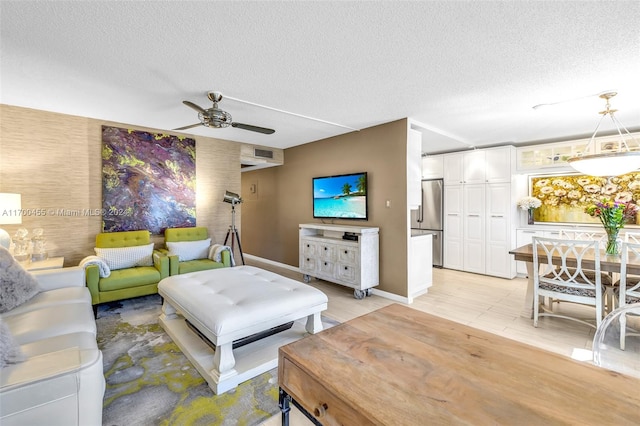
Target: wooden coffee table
x: 400, y: 366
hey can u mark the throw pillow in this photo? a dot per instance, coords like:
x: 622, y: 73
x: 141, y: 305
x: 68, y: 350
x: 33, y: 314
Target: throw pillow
x: 10, y: 352
x: 126, y: 257
x: 16, y: 285
x: 190, y: 250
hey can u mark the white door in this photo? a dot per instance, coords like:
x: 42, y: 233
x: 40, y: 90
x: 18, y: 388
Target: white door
x: 474, y: 164
x: 498, y: 161
x: 414, y: 169
x: 453, y: 228
x: 453, y: 169
x: 474, y: 228
x: 499, y: 262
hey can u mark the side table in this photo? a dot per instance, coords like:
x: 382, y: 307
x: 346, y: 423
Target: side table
x: 49, y: 263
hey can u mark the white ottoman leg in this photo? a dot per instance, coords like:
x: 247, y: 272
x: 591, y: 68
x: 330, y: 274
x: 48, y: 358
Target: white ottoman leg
x: 168, y: 311
x: 314, y: 323
x: 223, y: 363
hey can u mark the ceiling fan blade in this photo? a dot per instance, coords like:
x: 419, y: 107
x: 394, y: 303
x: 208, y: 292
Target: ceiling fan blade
x: 189, y: 126
x: 194, y: 106
x: 253, y: 128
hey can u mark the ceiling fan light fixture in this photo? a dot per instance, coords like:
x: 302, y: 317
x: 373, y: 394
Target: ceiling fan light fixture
x: 217, y: 118
x: 611, y: 163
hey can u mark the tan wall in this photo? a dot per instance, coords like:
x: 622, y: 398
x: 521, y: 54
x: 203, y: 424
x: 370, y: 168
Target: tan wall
x: 283, y: 198
x: 54, y: 161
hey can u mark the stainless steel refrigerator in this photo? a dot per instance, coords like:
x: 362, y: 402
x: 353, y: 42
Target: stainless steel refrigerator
x: 427, y: 219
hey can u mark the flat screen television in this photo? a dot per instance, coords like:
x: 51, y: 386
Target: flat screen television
x: 340, y: 197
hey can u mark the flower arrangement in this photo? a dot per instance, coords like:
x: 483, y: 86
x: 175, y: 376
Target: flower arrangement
x: 526, y: 203
x: 613, y: 215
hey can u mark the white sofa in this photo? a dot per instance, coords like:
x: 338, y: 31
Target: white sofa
x: 61, y: 381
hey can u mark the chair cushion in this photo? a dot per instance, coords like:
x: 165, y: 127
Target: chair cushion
x: 195, y: 233
x: 55, y: 297
x: 198, y: 265
x: 586, y: 292
x: 126, y: 257
x: 190, y: 250
x: 123, y: 239
x: 51, y: 321
x: 131, y: 277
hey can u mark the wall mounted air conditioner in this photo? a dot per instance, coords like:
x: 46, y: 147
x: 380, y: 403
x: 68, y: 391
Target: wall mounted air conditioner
x: 253, y: 157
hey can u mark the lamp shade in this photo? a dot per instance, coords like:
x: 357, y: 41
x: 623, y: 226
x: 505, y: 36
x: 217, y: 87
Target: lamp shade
x: 231, y: 198
x: 613, y: 164
x: 10, y: 205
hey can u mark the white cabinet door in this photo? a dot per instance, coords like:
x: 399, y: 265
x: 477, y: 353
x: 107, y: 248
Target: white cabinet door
x: 474, y: 228
x: 525, y: 236
x: 453, y: 227
x: 414, y: 169
x: 433, y: 167
x: 498, y: 238
x: 474, y: 164
x: 498, y: 162
x: 453, y: 169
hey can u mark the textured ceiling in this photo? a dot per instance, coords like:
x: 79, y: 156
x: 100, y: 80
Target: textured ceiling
x: 470, y: 72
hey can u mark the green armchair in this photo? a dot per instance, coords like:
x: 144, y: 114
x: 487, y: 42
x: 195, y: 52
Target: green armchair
x: 136, y: 268
x: 188, y: 251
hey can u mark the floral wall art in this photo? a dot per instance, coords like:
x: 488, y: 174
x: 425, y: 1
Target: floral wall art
x: 148, y: 181
x: 565, y: 197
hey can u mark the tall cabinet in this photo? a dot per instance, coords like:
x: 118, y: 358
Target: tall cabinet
x: 479, y: 211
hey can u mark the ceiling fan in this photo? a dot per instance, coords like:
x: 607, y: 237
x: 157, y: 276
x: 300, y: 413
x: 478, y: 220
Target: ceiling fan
x: 217, y: 118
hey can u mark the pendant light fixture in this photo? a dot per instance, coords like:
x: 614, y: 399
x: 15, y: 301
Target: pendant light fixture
x: 611, y: 163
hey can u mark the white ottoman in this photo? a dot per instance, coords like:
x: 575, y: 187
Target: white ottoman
x: 228, y: 304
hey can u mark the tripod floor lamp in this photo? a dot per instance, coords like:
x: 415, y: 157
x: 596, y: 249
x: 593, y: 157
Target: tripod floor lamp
x: 233, y: 199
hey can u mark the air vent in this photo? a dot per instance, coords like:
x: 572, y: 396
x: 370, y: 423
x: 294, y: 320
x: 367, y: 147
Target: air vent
x: 263, y: 153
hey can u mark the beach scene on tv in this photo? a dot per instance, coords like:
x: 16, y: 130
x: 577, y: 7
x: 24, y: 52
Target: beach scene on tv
x: 340, y: 196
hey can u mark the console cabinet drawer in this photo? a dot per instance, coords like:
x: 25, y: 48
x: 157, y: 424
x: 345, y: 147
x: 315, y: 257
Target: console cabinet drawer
x: 316, y: 399
x: 347, y: 273
x: 348, y: 255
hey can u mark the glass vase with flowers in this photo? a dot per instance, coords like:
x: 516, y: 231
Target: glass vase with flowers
x: 613, y: 215
x: 529, y: 204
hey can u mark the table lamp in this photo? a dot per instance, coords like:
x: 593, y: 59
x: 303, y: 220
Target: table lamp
x: 10, y: 205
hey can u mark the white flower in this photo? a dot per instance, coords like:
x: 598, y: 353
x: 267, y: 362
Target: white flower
x: 526, y: 203
x: 624, y: 197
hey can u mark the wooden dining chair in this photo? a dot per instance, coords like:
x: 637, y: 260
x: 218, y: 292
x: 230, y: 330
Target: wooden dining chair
x: 628, y: 290
x: 568, y: 281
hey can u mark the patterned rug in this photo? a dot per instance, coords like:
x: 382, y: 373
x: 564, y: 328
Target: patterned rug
x: 150, y: 381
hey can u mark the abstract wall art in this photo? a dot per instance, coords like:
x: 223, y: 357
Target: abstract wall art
x: 148, y: 181
x: 564, y: 197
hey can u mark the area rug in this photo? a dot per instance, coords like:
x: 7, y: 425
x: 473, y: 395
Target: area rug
x: 150, y: 381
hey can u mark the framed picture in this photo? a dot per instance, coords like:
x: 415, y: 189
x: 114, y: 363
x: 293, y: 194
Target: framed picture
x: 565, y: 196
x: 148, y: 181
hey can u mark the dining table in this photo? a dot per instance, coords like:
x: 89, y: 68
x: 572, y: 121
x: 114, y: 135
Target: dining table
x: 608, y: 263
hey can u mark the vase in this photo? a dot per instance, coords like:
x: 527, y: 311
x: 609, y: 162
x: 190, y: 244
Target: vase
x: 530, y: 216
x: 613, y: 243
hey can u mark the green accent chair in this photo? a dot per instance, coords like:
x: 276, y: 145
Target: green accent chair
x: 129, y: 282
x: 198, y: 233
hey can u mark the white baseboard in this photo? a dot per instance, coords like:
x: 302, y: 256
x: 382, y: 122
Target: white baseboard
x: 377, y: 292
x: 272, y: 262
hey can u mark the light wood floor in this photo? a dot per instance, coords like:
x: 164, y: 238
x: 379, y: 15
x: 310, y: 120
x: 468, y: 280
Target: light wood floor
x: 488, y: 303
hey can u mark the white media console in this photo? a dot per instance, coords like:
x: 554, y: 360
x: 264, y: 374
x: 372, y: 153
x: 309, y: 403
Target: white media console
x: 342, y: 254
